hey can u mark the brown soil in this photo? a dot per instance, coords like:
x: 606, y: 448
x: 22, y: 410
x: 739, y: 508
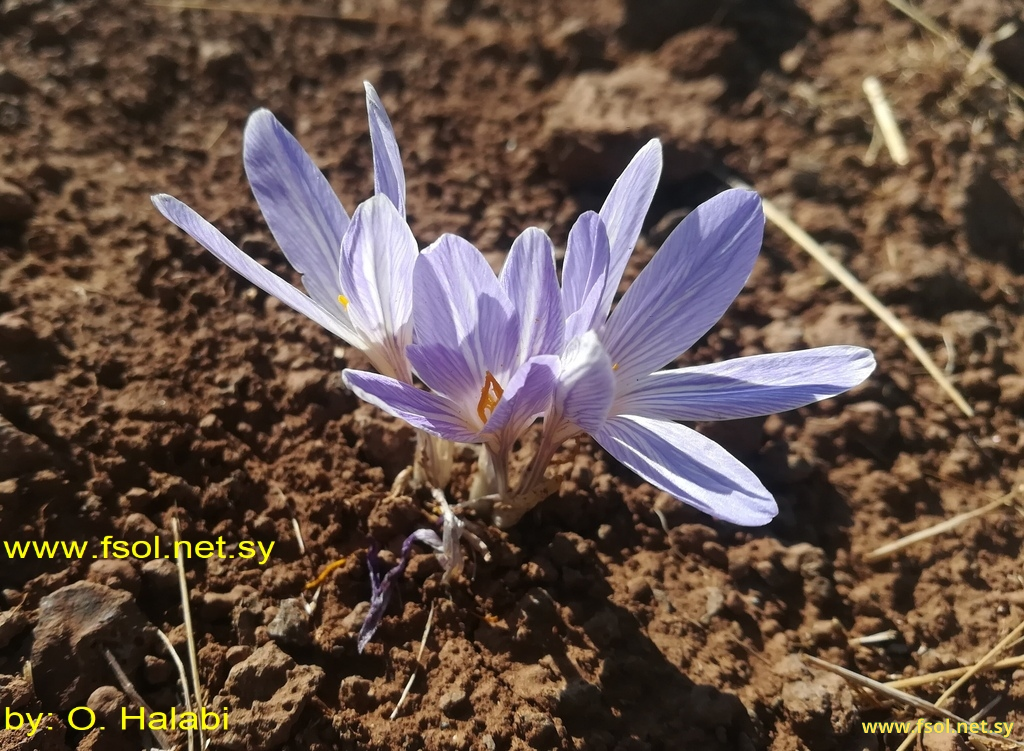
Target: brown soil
x: 141, y: 381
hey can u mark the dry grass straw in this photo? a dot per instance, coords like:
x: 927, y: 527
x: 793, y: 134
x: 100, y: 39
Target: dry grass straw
x: 886, y: 121
x: 182, y: 678
x: 933, y: 709
x: 941, y: 676
x: 269, y: 9
x: 988, y: 659
x: 419, y: 656
x: 779, y: 218
x: 928, y: 23
x: 186, y: 611
x: 942, y: 527
x: 129, y: 688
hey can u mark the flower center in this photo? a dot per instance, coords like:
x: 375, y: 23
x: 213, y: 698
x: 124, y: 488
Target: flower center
x: 490, y: 395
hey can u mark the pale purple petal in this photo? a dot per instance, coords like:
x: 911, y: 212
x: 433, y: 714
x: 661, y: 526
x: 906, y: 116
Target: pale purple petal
x: 425, y: 410
x: 388, y: 175
x: 378, y: 254
x: 526, y: 397
x: 624, y: 210
x: 694, y: 469
x: 214, y: 241
x: 748, y: 386
x: 530, y: 281
x: 302, y: 210
x: 687, y: 286
x: 584, y: 274
x: 445, y: 370
x: 586, y: 383
x: 460, y: 304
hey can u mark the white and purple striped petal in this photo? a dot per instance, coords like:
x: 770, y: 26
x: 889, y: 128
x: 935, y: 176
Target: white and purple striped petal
x: 624, y: 210
x: 586, y: 384
x: 461, y: 307
x: 584, y: 275
x: 687, y: 286
x: 214, y: 241
x: 378, y: 254
x: 425, y: 410
x: 689, y: 466
x: 748, y: 386
x: 388, y: 174
x: 530, y: 282
x: 303, y: 212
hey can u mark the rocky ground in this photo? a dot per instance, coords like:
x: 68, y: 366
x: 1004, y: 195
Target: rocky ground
x: 140, y: 381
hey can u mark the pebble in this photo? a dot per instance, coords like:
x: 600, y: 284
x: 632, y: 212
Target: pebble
x: 453, y: 702
x: 291, y: 624
x: 160, y: 574
x: 74, y: 623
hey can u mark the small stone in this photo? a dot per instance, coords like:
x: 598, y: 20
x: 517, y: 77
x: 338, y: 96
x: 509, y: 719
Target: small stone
x: 291, y: 624
x: 76, y: 623
x: 453, y: 702
x: 160, y: 574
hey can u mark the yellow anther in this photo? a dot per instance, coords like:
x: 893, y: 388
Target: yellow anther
x: 615, y: 366
x: 343, y: 300
x: 490, y: 395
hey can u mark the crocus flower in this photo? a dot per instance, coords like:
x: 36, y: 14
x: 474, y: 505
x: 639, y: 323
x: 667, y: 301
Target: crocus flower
x: 611, y: 384
x: 485, y: 346
x: 357, y: 272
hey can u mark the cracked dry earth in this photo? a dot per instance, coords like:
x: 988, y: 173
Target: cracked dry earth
x: 141, y: 382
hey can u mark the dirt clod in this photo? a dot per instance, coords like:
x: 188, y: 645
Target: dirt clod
x: 264, y: 695
x: 77, y: 623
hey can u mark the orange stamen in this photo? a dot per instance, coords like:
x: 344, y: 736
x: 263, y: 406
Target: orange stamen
x: 490, y: 395
x: 322, y: 577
